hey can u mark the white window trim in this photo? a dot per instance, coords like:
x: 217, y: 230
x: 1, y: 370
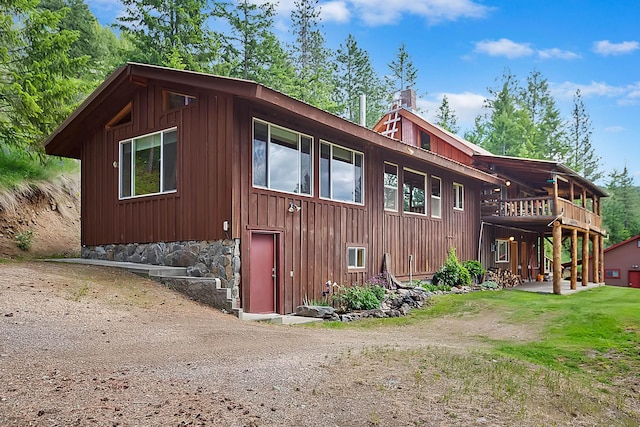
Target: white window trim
x: 133, y: 181
x: 455, y: 197
x: 331, y: 144
x: 439, y: 198
x: 507, y: 245
x: 300, y: 134
x: 426, y: 210
x: 390, y: 187
x: 364, y: 256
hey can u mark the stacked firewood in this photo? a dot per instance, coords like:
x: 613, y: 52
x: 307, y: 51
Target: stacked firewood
x: 504, y: 278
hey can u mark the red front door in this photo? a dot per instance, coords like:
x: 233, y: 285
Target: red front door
x: 262, y: 289
x: 634, y: 279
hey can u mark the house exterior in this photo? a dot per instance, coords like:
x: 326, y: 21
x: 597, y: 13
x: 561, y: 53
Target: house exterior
x: 622, y: 263
x: 537, y: 201
x: 271, y: 195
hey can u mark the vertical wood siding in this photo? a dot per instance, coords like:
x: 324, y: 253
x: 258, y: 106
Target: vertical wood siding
x: 203, y: 200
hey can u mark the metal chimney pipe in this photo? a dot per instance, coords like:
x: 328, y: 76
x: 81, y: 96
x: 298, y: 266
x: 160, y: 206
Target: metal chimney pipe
x: 363, y: 110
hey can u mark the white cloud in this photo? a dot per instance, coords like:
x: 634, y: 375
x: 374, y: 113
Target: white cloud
x: 466, y: 105
x: 335, y: 11
x: 566, y: 90
x: 504, y: 47
x: 614, y: 129
x: 385, y: 12
x: 557, y: 53
x: 606, y: 48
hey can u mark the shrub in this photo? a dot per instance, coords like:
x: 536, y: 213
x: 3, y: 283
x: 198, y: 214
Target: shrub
x: 24, y: 240
x: 360, y: 297
x: 432, y: 288
x: 452, y: 273
x: 475, y: 269
x: 489, y: 284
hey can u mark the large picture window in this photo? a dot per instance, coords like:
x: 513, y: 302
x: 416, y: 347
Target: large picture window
x: 281, y: 159
x: 436, y: 197
x: 502, y: 250
x: 458, y: 196
x: 414, y: 192
x: 341, y: 173
x: 148, y: 164
x: 390, y: 187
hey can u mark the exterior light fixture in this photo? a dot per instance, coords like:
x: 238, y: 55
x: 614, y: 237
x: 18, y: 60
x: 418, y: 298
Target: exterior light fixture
x: 293, y: 207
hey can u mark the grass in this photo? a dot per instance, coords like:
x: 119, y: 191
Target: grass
x: 585, y: 358
x: 18, y: 168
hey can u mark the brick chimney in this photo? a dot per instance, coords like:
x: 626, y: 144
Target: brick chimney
x: 408, y: 99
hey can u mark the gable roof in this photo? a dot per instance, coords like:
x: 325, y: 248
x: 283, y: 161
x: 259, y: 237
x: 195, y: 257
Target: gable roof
x: 99, y: 107
x: 617, y: 245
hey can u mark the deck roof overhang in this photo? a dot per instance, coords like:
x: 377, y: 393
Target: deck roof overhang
x: 537, y: 174
x: 119, y: 87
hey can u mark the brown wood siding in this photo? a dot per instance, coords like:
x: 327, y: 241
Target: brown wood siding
x: 411, y: 136
x: 314, y: 241
x: 196, y: 211
x: 523, y: 241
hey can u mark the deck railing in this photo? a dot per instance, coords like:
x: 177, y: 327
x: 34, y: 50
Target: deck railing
x: 534, y: 207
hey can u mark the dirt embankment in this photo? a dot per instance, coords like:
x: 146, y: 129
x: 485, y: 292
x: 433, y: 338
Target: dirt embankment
x: 50, y: 211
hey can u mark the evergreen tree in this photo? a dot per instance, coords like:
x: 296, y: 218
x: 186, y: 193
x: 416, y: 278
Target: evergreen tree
x: 39, y: 84
x: 446, y: 117
x: 312, y: 60
x: 403, y: 72
x: 505, y: 127
x: 583, y: 158
x: 546, y: 137
x: 355, y: 76
x: 251, y: 33
x: 621, y: 210
x: 171, y: 33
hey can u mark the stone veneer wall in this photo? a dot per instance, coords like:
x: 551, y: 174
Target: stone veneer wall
x: 220, y: 258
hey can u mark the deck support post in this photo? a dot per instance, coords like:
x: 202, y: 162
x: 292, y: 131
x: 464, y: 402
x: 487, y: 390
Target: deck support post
x: 601, y: 259
x: 557, y: 258
x: 541, y: 261
x: 585, y: 258
x: 574, y: 258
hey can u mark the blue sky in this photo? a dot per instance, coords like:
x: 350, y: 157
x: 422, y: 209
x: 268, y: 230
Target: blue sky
x: 460, y: 47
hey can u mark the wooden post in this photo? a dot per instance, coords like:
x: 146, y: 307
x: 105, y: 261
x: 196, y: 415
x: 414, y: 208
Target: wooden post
x: 601, y: 258
x: 542, y: 255
x: 585, y: 258
x: 574, y: 258
x: 557, y: 258
x: 594, y: 259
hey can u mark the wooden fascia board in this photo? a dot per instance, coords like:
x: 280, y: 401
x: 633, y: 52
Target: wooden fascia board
x: 422, y: 123
x: 59, y: 142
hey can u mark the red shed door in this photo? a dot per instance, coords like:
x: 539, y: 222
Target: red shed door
x: 262, y: 289
x: 634, y: 279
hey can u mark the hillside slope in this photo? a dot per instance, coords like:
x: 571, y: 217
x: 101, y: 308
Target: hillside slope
x: 50, y: 210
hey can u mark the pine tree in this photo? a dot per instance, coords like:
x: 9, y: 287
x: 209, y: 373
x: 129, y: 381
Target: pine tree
x: 621, y: 210
x: 170, y: 33
x: 546, y: 137
x: 583, y: 158
x: 39, y: 84
x: 312, y: 60
x: 403, y: 72
x: 355, y: 76
x: 506, y: 124
x: 446, y: 117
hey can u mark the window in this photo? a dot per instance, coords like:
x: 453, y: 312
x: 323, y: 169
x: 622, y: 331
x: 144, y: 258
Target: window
x: 436, y: 198
x: 356, y: 257
x: 281, y: 159
x: 502, y: 250
x: 148, y: 164
x: 414, y: 194
x: 425, y: 140
x: 341, y: 173
x: 458, y: 196
x: 612, y: 273
x: 172, y: 100
x: 390, y: 187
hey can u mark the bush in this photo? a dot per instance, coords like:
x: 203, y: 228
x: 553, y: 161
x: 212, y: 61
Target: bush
x: 452, y: 273
x: 433, y: 288
x: 360, y: 297
x: 24, y: 240
x: 489, y: 284
x: 475, y: 269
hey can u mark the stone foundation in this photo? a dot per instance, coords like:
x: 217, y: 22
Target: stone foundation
x: 220, y: 258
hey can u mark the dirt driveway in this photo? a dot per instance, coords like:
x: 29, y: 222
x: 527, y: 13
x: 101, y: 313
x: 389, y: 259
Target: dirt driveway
x: 84, y: 345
